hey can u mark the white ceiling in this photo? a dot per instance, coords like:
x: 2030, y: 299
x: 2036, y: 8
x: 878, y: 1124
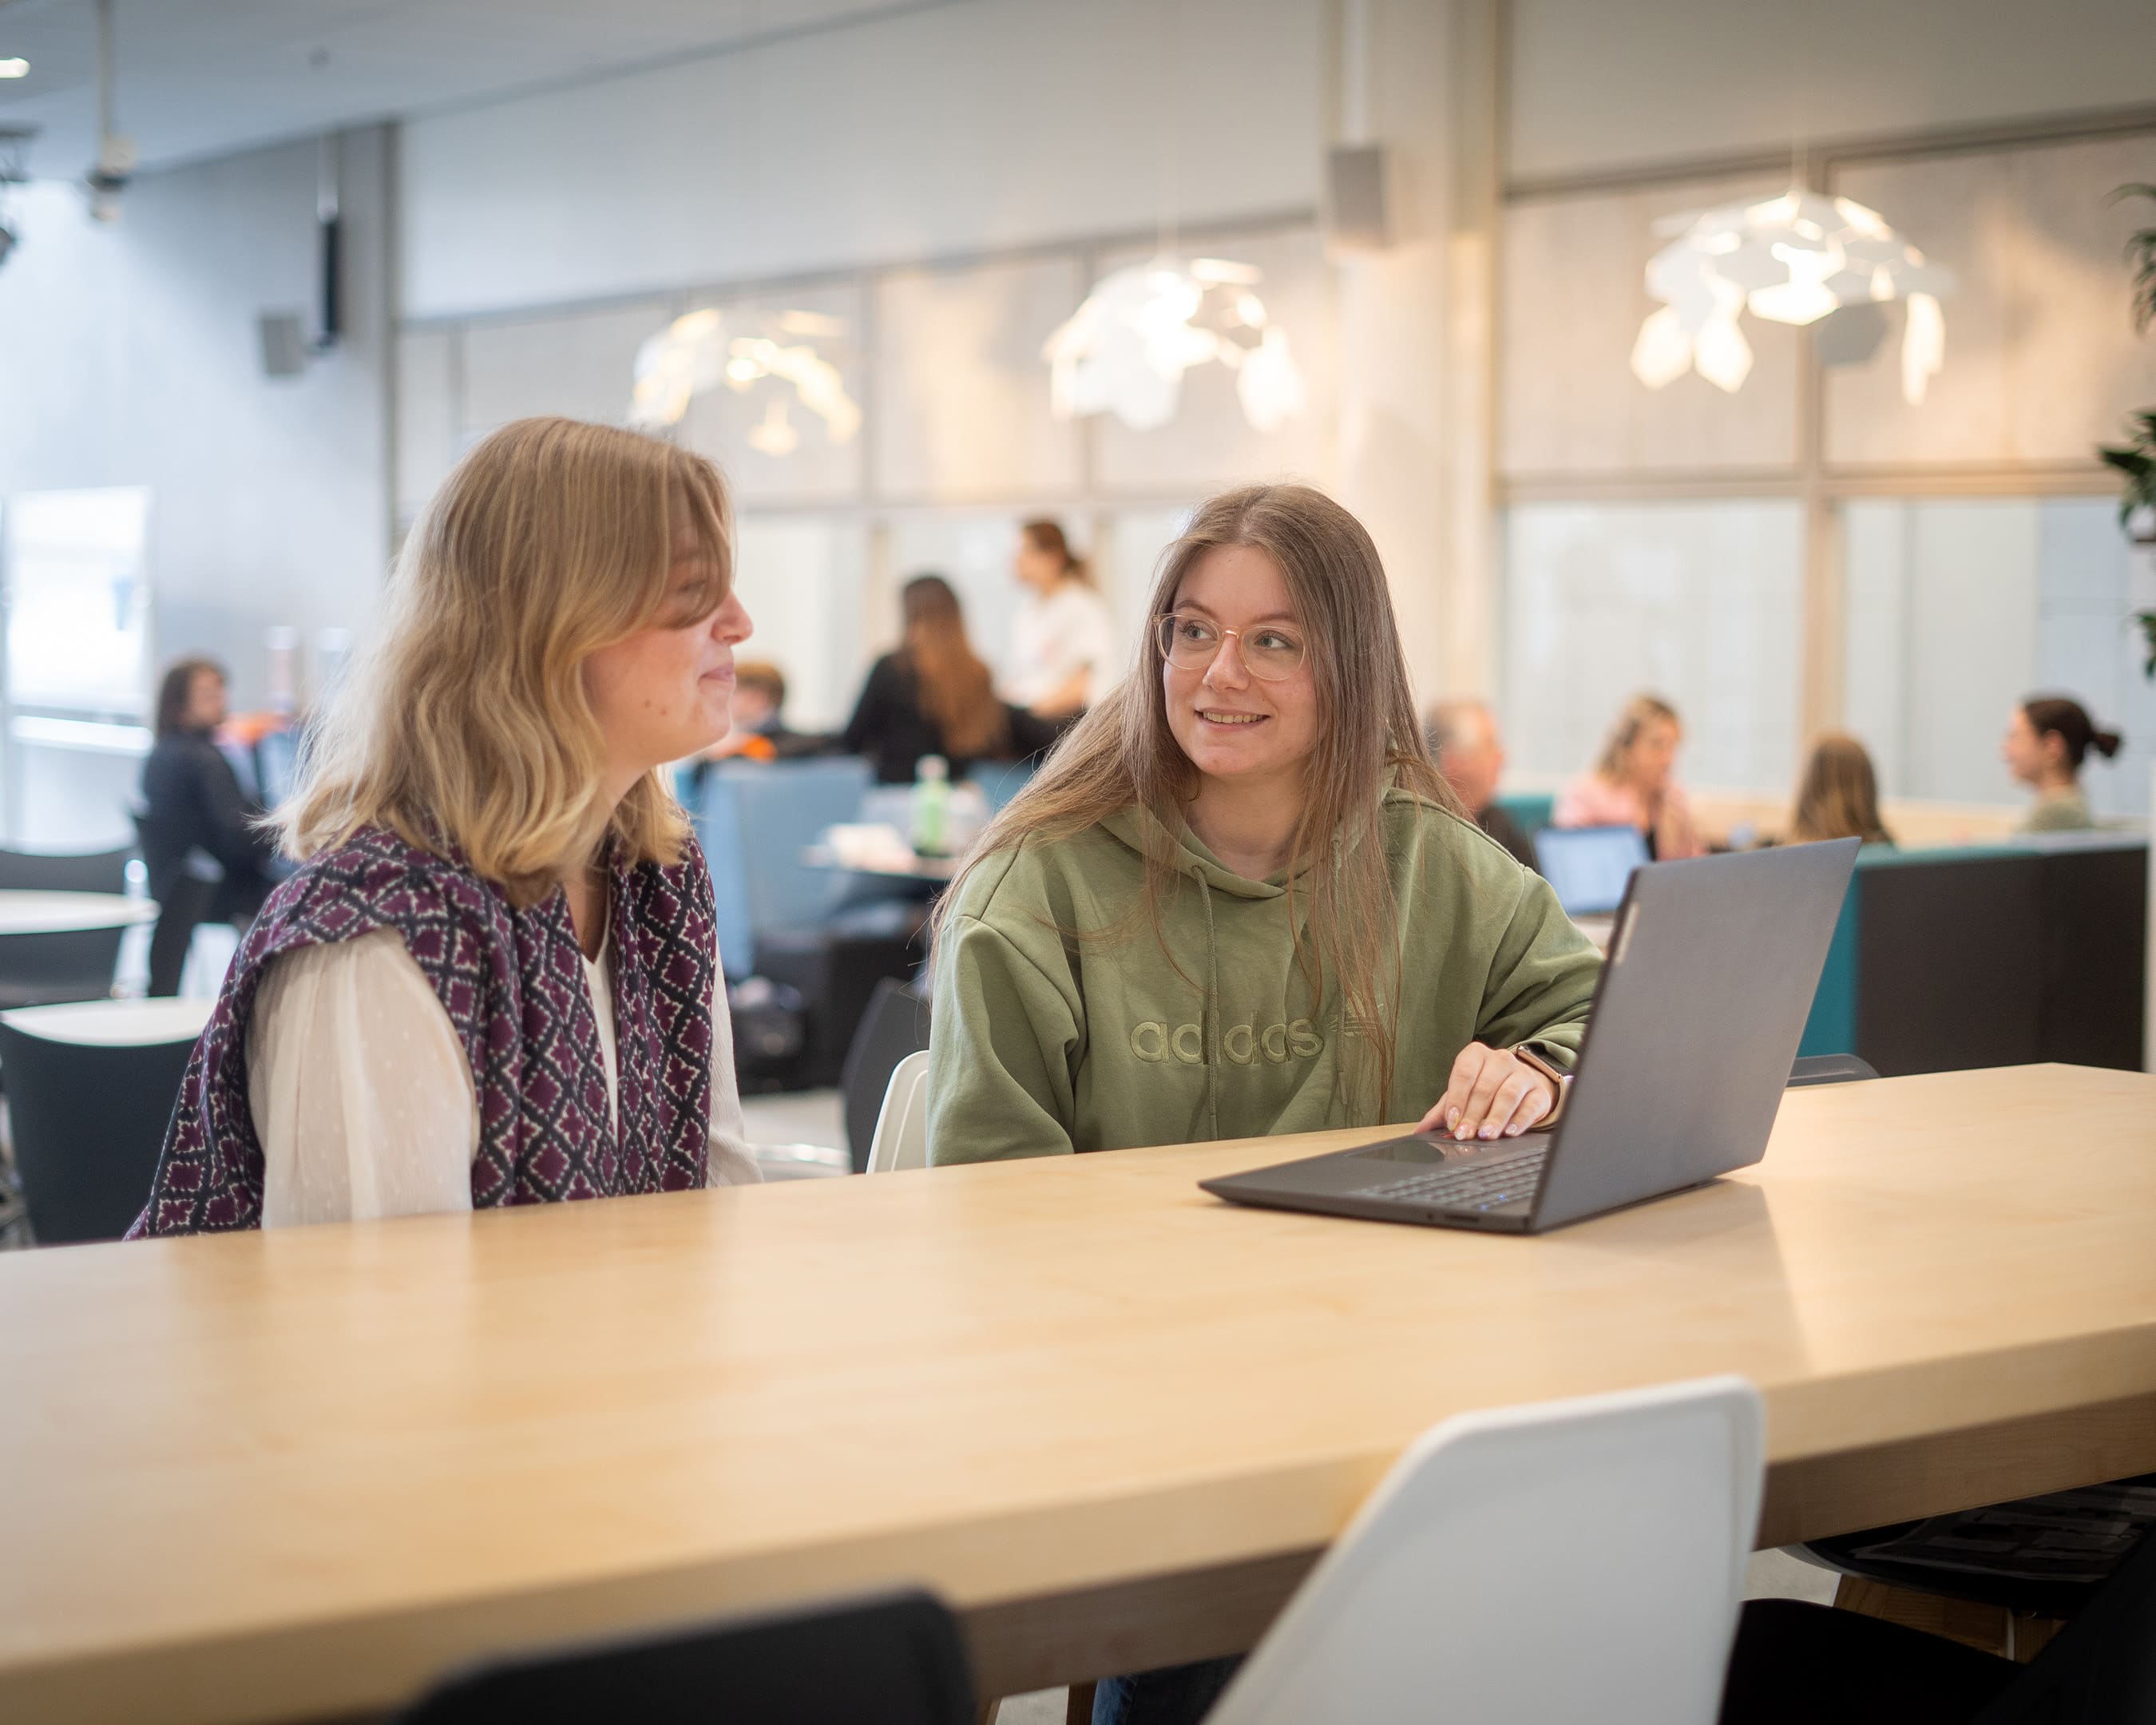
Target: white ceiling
x: 200, y: 78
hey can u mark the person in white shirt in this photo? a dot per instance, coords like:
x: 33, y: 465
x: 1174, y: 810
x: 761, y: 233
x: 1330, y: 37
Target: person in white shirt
x: 494, y: 978
x: 1063, y: 646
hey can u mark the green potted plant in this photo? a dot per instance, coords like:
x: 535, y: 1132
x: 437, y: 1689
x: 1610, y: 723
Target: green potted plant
x: 2136, y: 460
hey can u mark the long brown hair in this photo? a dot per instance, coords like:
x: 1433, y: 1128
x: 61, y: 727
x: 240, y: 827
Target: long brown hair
x: 469, y: 725
x: 1637, y: 713
x: 1122, y: 754
x: 956, y: 690
x: 1838, y: 796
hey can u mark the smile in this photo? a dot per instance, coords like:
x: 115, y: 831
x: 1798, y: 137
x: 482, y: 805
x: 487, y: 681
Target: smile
x: 1221, y: 718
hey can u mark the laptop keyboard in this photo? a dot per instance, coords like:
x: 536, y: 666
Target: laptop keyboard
x: 1482, y: 1184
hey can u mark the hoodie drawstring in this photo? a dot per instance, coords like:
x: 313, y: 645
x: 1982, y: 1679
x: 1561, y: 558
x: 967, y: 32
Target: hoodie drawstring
x: 1211, y: 1015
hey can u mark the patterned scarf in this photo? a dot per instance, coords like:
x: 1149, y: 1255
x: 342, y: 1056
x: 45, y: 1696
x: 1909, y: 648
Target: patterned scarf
x: 512, y: 982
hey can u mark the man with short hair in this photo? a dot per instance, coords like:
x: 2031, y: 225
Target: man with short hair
x: 1470, y: 754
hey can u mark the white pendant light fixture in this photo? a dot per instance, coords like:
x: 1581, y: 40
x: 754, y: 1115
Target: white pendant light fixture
x: 1794, y: 259
x: 697, y: 352
x: 1126, y: 348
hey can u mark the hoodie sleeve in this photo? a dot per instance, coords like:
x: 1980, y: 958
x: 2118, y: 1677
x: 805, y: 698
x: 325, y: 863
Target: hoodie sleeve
x: 1541, y: 979
x: 1002, y: 1043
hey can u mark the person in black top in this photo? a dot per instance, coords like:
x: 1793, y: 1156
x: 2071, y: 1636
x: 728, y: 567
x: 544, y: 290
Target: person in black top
x: 1470, y: 754
x: 191, y: 799
x: 933, y: 696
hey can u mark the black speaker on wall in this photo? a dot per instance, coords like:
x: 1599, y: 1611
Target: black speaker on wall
x: 1356, y: 217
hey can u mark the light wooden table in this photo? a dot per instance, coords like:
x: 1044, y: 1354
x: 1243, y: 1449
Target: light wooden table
x: 293, y: 1474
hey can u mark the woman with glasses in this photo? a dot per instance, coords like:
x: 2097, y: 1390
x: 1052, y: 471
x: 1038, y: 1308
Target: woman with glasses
x: 1240, y: 899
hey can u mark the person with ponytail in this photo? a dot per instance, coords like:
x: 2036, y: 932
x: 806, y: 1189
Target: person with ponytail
x: 933, y: 696
x: 2047, y: 738
x: 1063, y: 643
x: 493, y: 976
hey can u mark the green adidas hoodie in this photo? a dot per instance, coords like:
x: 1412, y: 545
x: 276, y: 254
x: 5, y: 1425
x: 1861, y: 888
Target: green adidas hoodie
x: 1042, y: 1044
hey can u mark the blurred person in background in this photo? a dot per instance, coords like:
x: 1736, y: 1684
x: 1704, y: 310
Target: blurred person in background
x: 2047, y: 738
x: 192, y: 799
x: 933, y: 696
x: 1634, y: 783
x: 760, y: 731
x: 1471, y: 753
x: 1063, y: 643
x: 1838, y: 794
x: 494, y: 978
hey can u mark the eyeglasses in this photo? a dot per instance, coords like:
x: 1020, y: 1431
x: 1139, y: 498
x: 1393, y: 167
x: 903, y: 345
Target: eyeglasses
x: 1190, y: 642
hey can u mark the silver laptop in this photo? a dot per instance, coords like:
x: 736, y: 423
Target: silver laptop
x: 1589, y: 867
x: 1693, y: 1028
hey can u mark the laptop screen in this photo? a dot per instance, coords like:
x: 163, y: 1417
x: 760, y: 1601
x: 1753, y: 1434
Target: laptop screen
x: 1589, y: 867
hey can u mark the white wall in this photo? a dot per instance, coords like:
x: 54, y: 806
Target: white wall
x: 1598, y: 85
x: 929, y: 134
x: 129, y: 356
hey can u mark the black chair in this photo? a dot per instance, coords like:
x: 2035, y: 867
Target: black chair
x: 893, y: 1660
x: 73, y: 964
x: 1793, y: 1661
x: 894, y: 1025
x: 88, y: 1120
x: 42, y: 871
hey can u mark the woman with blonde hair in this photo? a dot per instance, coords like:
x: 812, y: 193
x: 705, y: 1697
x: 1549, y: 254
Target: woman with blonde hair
x: 1634, y: 783
x: 1838, y: 797
x: 494, y: 978
x: 934, y: 697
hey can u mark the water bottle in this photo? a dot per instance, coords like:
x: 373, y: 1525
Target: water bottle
x: 932, y: 800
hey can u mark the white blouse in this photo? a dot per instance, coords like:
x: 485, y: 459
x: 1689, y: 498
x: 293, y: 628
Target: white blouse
x: 362, y: 1099
x: 1054, y: 638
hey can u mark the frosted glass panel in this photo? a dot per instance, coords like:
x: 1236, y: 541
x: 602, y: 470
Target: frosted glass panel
x: 802, y: 578
x: 734, y: 426
x: 1574, y: 294
x: 426, y: 416
x: 1210, y: 445
x: 1130, y: 559
x: 2041, y: 360
x: 78, y: 601
x: 1700, y: 603
x: 961, y: 392
x: 582, y: 366
x: 1959, y: 608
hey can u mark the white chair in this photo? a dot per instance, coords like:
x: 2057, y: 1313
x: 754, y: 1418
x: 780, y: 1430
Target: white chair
x: 901, y: 1128
x: 1541, y: 1565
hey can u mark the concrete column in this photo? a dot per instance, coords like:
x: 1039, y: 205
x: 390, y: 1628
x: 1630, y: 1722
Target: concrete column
x: 1416, y: 322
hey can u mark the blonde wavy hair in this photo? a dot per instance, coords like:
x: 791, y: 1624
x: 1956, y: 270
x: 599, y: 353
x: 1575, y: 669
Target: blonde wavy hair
x: 469, y: 727
x: 1123, y: 753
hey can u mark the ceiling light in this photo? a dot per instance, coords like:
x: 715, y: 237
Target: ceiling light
x: 14, y: 69
x: 697, y: 352
x: 1125, y: 349
x: 1794, y: 259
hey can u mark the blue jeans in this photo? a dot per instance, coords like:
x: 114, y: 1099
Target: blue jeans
x: 1174, y: 1695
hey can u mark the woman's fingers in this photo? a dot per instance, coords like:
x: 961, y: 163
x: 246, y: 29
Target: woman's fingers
x: 1492, y: 1071
x: 1490, y: 1094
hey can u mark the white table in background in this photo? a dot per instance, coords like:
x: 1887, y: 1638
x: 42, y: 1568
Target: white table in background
x: 113, y: 1023
x: 70, y: 912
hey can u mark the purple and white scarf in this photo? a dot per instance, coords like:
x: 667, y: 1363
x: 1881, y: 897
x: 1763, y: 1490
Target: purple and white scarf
x: 512, y: 982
